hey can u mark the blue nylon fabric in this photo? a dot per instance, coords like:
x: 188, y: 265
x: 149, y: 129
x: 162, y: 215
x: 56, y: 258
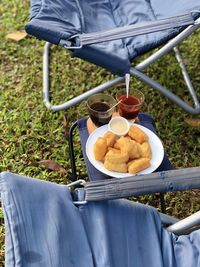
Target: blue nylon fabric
x: 145, y: 119
x: 162, y: 8
x: 54, y: 20
x: 123, y: 234
x: 41, y: 229
x: 61, y: 19
x: 128, y: 12
x: 44, y: 228
x: 188, y: 245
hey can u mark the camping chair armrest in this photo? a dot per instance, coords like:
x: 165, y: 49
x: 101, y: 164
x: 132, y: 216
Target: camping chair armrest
x: 79, y: 40
x: 158, y: 182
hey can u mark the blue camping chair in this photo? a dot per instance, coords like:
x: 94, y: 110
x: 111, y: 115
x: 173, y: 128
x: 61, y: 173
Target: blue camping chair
x: 62, y: 226
x: 112, y: 34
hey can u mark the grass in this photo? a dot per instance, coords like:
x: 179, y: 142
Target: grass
x: 30, y: 133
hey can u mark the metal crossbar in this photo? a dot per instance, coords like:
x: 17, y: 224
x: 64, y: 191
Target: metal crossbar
x: 136, y: 71
x: 186, y: 225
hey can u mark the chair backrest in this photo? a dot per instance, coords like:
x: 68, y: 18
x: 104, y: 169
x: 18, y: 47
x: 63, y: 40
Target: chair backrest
x: 55, y: 21
x: 45, y: 228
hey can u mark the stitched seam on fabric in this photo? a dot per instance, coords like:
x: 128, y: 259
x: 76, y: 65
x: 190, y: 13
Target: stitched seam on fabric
x: 195, y: 249
x: 81, y: 15
x: 122, y: 40
x: 151, y: 8
x: 113, y: 13
x: 16, y: 215
x: 11, y: 236
x: 9, y: 218
x: 42, y: 2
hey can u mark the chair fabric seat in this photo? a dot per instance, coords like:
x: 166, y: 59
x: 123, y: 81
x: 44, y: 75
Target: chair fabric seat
x: 45, y: 228
x: 56, y: 20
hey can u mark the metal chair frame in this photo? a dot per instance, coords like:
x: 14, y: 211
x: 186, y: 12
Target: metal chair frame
x: 134, y: 71
x: 172, y: 224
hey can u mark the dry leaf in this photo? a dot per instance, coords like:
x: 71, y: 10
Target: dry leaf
x: 16, y: 36
x: 54, y: 166
x: 193, y: 122
x: 65, y: 126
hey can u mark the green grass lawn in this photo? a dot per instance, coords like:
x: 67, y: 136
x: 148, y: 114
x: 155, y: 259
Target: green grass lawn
x: 29, y: 133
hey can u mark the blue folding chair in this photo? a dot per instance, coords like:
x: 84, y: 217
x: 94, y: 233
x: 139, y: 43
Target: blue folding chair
x: 112, y: 34
x: 57, y: 225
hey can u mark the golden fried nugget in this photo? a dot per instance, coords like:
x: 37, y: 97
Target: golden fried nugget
x: 119, y: 142
x: 122, y: 143
x: 117, y: 167
x: 110, y: 138
x: 138, y: 165
x: 134, y: 150
x: 100, y: 148
x: 116, y: 157
x: 145, y: 150
x: 116, y: 145
x: 130, y: 162
x: 127, y: 137
x: 114, y: 149
x: 137, y: 134
x: 130, y: 147
x: 122, y: 138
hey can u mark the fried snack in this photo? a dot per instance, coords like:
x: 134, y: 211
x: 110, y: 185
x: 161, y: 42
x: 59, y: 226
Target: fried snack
x: 110, y: 138
x: 114, y: 150
x: 138, y: 165
x: 100, y: 148
x: 135, y: 151
x: 117, y: 167
x: 122, y: 143
x: 116, y: 157
x: 145, y: 150
x: 137, y: 134
x: 116, y: 145
x: 127, y: 137
x: 127, y: 154
x: 126, y: 145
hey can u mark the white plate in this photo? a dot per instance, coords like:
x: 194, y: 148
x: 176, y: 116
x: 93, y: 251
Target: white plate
x: 156, y: 149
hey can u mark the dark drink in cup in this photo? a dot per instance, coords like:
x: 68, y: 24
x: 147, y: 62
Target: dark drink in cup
x: 98, y: 118
x: 100, y: 108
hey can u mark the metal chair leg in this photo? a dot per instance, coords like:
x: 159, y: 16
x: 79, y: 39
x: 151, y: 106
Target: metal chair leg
x: 162, y: 203
x: 72, y: 102
x: 71, y: 152
x: 186, y: 76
